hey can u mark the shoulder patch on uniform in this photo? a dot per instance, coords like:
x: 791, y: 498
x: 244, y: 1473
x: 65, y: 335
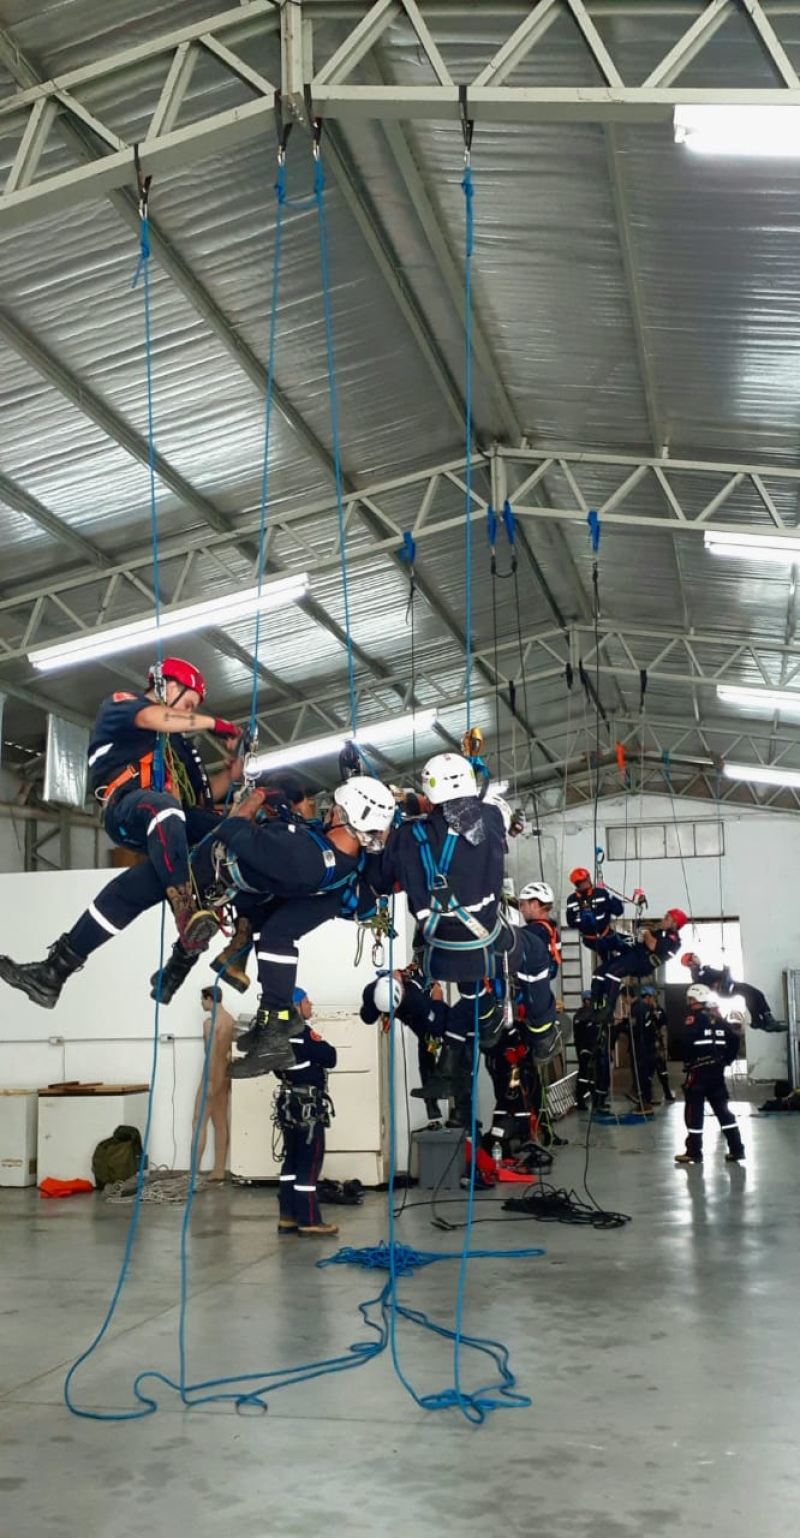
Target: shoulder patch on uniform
x: 315, y: 1036
x: 117, y: 697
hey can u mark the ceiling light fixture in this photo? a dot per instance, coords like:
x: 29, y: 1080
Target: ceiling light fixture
x: 377, y: 735
x: 760, y: 774
x: 787, y: 701
x: 184, y: 620
x: 748, y: 547
x: 751, y: 132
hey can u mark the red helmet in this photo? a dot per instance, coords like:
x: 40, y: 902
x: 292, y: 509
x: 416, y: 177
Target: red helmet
x: 678, y: 916
x: 689, y: 958
x: 181, y: 672
x: 579, y: 874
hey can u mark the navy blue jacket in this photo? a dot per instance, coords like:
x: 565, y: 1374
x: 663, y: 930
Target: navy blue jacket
x: 708, y: 1043
x: 530, y: 962
x: 313, y: 1058
x: 117, y: 742
x: 592, y: 914
x: 475, y: 877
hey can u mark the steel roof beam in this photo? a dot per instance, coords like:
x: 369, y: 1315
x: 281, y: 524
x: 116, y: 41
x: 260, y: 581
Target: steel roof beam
x: 166, y: 146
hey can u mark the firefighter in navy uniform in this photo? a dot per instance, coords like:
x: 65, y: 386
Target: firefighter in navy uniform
x: 626, y: 957
x: 291, y: 796
x: 450, y: 864
x: 709, y: 1045
x: 156, y: 798
x: 303, y: 1110
x: 536, y: 901
x: 591, y: 1048
x: 304, y: 875
x: 422, y: 1008
x: 720, y: 981
x: 591, y: 910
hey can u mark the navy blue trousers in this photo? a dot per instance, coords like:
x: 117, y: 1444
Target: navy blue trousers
x: 141, y: 887
x: 302, y: 1164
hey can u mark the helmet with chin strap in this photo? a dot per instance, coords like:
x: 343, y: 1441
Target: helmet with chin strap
x: 367, y: 807
x: 537, y: 891
x: 704, y: 997
x: 181, y: 672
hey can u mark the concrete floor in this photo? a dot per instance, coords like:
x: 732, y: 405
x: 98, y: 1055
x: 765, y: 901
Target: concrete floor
x: 661, y: 1360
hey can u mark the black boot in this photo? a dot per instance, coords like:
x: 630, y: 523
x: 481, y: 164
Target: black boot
x: 230, y: 963
x: 165, y: 983
x: 43, y: 980
x: 441, y: 1084
x: 270, y: 1048
x: 663, y: 1079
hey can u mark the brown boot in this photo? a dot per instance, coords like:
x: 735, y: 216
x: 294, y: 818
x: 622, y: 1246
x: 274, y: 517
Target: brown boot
x: 318, y: 1230
x: 230, y: 962
x: 196, y: 926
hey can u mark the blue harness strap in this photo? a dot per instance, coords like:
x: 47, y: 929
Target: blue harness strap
x: 436, y: 874
x: 330, y: 881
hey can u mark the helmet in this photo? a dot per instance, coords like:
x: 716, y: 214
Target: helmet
x: 367, y: 807
x: 690, y: 959
x: 579, y: 874
x: 587, y: 993
x: 700, y: 994
x: 679, y: 917
x: 648, y: 992
x: 492, y: 799
x: 388, y: 993
x: 180, y: 672
x: 448, y: 776
x: 537, y: 891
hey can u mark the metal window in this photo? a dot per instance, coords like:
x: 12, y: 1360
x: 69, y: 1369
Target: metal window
x: 666, y: 840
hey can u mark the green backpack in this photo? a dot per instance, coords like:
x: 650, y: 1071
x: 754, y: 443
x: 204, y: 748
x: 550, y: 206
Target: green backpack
x: 117, y: 1157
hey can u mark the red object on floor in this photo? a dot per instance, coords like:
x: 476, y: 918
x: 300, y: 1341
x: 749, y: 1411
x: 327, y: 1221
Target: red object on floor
x: 52, y: 1187
x: 507, y: 1172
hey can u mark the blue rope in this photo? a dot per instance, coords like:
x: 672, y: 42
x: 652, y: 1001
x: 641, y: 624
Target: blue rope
x: 143, y: 272
x: 319, y: 196
x: 280, y: 192
x: 468, y: 190
x: 124, y: 1415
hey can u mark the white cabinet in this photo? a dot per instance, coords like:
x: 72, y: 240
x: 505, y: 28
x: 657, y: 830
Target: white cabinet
x: 71, y: 1126
x: 18, y: 1108
x: 355, y: 1139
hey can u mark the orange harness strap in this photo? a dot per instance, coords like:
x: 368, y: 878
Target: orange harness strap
x: 143, y: 771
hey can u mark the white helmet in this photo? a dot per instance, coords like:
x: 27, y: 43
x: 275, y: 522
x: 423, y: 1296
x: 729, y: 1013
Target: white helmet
x: 367, y: 807
x: 492, y: 799
x: 537, y: 891
x: 388, y: 993
x: 700, y: 994
x: 448, y: 776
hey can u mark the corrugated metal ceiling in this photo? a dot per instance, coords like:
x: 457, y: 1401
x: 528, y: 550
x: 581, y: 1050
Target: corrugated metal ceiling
x: 719, y: 312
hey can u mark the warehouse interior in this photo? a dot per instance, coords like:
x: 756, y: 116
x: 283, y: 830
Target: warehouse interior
x: 437, y: 357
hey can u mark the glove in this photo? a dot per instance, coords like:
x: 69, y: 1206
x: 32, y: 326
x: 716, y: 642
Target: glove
x: 226, y: 729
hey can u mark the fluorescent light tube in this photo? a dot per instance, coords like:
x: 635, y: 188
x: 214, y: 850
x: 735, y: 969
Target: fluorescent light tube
x: 752, y: 132
x: 749, y: 547
x: 183, y: 620
x: 787, y: 701
x: 377, y: 735
x: 760, y: 774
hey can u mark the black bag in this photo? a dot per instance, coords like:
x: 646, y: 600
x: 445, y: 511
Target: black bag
x: 117, y: 1157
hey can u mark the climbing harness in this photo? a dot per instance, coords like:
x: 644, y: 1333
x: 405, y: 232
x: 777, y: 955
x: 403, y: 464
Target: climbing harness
x: 444, y: 902
x: 303, y: 1106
